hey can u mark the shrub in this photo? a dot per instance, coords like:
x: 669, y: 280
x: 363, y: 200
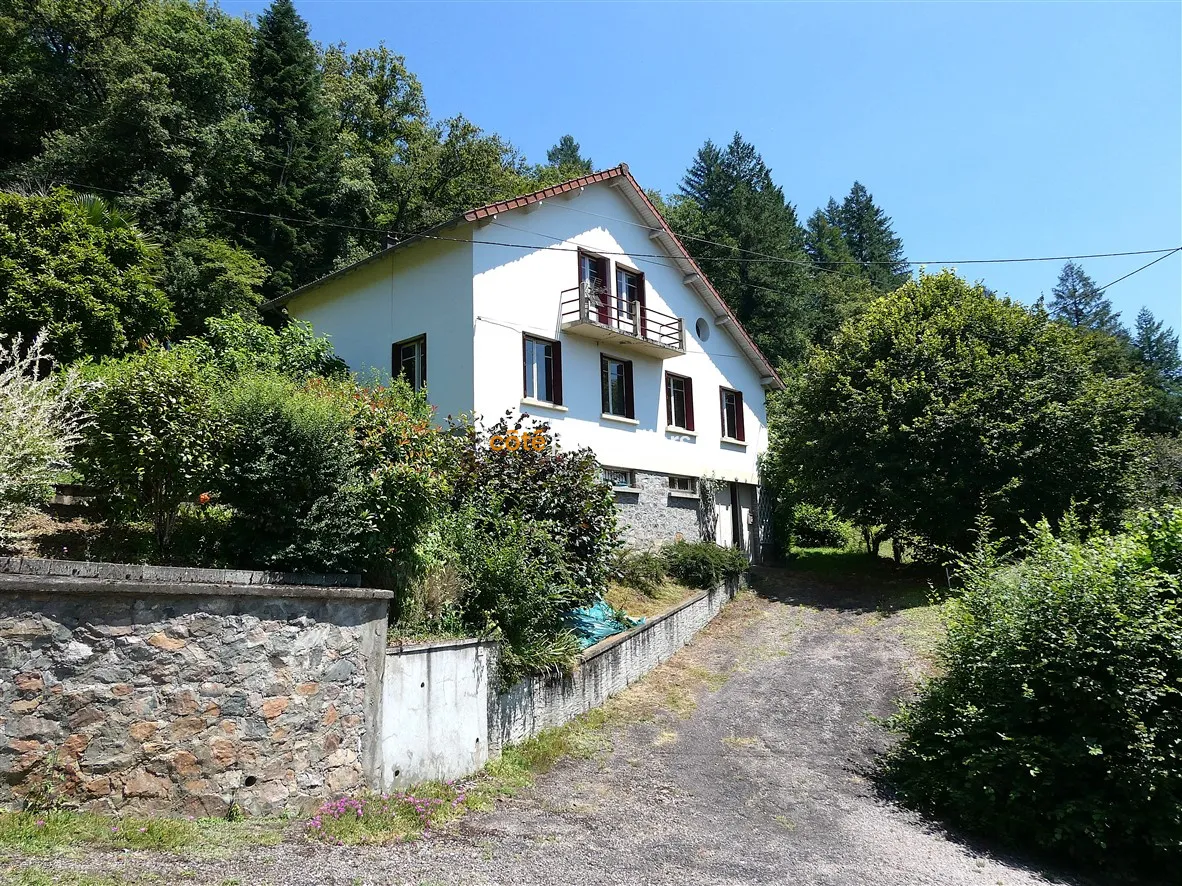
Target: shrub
x: 814, y: 527
x: 39, y: 424
x: 152, y: 437
x: 703, y: 564
x: 643, y: 570
x: 289, y: 472
x: 1057, y: 722
x: 237, y: 345
x: 563, y: 487
x: 517, y: 588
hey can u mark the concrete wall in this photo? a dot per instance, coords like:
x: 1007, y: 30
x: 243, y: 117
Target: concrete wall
x: 605, y: 669
x: 435, y: 711
x: 188, y: 697
x: 443, y: 717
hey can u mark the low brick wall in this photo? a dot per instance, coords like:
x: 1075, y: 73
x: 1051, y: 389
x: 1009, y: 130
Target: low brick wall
x: 188, y: 696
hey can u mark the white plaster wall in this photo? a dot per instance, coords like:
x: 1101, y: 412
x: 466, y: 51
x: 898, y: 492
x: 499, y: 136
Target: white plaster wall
x: 519, y: 290
x: 434, y: 713
x: 424, y: 288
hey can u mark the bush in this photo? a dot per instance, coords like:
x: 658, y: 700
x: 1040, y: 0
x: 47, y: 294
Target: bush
x: 642, y: 570
x: 152, y: 437
x: 237, y: 345
x: 289, y: 472
x: 39, y: 424
x: 518, y: 588
x: 565, y: 488
x: 1057, y: 722
x: 814, y: 527
x: 703, y: 564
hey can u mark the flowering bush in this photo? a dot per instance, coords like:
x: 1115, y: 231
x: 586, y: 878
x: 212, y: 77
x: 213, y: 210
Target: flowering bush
x: 39, y: 424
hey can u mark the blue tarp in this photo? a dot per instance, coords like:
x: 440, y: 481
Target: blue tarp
x: 598, y: 622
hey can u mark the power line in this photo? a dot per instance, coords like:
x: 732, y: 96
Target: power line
x: 427, y: 236
x: 967, y: 261
x: 1142, y: 268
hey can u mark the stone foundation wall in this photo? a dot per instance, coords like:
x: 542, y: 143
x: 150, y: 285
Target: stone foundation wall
x: 188, y: 697
x: 654, y: 515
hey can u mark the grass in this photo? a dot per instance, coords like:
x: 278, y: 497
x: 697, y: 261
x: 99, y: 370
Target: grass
x: 34, y: 833
x: 639, y: 604
x: 37, y: 877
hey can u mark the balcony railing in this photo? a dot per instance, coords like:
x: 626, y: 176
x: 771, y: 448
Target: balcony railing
x: 596, y: 313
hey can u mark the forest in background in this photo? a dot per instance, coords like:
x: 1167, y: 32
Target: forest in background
x: 250, y: 160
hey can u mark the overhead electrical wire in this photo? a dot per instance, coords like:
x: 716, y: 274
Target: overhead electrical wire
x: 1165, y: 253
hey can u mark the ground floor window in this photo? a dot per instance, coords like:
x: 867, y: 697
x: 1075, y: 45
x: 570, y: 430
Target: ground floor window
x: 683, y: 484
x: 620, y: 478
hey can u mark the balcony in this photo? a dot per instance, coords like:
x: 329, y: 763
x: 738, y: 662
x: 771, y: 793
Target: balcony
x: 594, y: 313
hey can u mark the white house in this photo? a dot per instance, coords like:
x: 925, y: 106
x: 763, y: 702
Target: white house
x: 576, y: 304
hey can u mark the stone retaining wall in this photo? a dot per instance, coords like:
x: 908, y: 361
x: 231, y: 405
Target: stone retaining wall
x: 188, y: 696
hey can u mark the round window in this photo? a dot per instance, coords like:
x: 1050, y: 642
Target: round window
x: 702, y: 328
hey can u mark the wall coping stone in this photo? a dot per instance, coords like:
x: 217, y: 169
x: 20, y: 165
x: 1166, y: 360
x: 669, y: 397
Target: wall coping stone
x: 434, y: 645
x: 170, y: 574
x: 59, y: 584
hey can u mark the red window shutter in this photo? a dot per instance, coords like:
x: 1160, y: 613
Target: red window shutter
x: 524, y: 366
x: 740, y: 432
x: 557, y: 364
x: 689, y: 403
x: 640, y: 297
x: 629, y: 402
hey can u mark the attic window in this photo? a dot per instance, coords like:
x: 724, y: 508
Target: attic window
x: 702, y: 328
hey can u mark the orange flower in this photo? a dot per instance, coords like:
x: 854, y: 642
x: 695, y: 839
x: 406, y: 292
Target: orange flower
x: 204, y: 498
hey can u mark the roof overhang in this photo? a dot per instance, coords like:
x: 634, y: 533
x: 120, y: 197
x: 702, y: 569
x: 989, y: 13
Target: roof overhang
x: 621, y: 179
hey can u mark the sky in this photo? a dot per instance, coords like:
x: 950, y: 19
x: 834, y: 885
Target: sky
x: 985, y: 130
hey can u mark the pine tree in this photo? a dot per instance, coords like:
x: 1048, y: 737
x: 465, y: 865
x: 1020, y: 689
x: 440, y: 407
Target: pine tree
x: 1156, y: 350
x: 870, y: 239
x: 296, y: 171
x: 825, y: 244
x: 1078, y: 303
x: 728, y: 198
x: 566, y: 156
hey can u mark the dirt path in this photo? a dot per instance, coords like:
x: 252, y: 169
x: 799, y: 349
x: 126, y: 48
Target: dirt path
x: 742, y: 761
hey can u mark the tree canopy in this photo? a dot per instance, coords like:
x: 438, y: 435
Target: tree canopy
x: 942, y: 403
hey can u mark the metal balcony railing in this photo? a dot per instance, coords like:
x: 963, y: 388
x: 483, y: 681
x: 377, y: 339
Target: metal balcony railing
x: 596, y: 312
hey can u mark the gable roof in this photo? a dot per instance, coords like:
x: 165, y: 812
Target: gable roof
x: 622, y: 180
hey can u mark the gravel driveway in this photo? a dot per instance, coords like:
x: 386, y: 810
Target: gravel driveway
x: 748, y: 767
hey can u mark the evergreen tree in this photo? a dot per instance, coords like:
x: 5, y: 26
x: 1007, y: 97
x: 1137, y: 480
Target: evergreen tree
x: 728, y: 198
x: 566, y: 156
x: 1156, y: 350
x: 296, y: 172
x: 825, y: 243
x: 870, y: 239
x: 1078, y: 303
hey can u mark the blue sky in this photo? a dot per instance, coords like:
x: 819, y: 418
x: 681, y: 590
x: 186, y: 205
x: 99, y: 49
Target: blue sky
x: 986, y: 130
